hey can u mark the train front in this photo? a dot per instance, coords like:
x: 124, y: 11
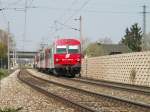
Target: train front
x: 67, y: 57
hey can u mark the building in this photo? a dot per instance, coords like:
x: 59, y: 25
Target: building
x: 98, y: 49
x: 110, y: 49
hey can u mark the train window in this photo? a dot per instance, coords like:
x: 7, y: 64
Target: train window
x: 73, y: 49
x: 41, y: 57
x: 61, y: 49
x: 50, y: 53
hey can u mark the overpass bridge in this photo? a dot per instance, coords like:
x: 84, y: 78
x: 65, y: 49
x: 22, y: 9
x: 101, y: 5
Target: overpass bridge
x: 22, y: 57
x: 23, y: 54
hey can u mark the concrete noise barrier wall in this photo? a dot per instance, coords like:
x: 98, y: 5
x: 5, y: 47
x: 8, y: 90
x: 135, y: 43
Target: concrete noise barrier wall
x: 131, y: 68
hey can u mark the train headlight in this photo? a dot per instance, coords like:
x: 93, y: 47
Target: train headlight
x: 57, y: 59
x: 78, y: 60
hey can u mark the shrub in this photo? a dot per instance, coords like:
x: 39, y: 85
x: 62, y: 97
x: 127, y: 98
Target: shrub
x: 3, y: 73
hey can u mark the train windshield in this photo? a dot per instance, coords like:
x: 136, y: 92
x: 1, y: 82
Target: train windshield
x: 73, y: 49
x: 61, y: 49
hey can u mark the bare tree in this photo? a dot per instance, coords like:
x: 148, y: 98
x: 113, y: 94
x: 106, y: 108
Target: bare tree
x: 86, y: 42
x: 105, y: 40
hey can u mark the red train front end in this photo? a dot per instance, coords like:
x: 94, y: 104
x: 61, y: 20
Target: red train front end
x: 67, y: 56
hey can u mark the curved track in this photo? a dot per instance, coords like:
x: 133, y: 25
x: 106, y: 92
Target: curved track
x: 128, y: 87
x: 32, y: 81
x: 84, y: 99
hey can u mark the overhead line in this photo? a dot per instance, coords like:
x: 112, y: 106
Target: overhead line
x: 76, y: 11
x: 67, y: 26
x: 14, y: 3
x: 4, y: 16
x: 31, y: 2
x: 88, y: 11
x: 68, y: 9
x: 84, y: 4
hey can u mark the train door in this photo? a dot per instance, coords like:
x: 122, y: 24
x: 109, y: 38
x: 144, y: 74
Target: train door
x: 52, y: 57
x: 46, y: 58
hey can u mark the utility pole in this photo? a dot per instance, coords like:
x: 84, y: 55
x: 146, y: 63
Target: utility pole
x: 15, y: 56
x: 144, y: 19
x: 144, y: 26
x: 144, y: 12
x: 81, y: 35
x: 25, y: 23
x: 14, y: 52
x: 8, y: 43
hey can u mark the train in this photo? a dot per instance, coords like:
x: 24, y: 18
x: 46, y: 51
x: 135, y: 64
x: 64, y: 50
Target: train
x: 63, y: 57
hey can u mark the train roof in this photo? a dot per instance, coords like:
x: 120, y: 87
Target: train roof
x: 62, y: 41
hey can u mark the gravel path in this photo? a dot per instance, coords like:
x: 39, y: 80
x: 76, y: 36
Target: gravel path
x: 105, y: 90
x: 15, y: 94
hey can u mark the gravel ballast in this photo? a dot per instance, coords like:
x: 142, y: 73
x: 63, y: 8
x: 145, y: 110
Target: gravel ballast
x: 15, y: 94
x: 110, y: 91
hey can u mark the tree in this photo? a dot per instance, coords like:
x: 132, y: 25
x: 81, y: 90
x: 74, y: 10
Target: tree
x: 133, y: 38
x: 3, y: 50
x: 3, y: 55
x: 3, y: 47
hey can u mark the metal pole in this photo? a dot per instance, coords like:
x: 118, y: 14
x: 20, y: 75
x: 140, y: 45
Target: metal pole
x: 144, y: 28
x: 8, y: 53
x: 144, y: 19
x: 81, y: 35
x: 13, y: 57
x: 25, y: 23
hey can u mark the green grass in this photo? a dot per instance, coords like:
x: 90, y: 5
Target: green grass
x: 3, y: 73
x: 10, y: 110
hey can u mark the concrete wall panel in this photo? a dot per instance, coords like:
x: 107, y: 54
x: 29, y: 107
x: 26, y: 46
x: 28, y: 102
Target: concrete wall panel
x: 131, y: 68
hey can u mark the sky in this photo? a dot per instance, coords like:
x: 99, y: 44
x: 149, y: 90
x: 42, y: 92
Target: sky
x: 49, y: 19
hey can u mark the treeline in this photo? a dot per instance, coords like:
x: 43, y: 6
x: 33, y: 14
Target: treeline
x: 3, y: 48
x: 3, y: 55
x: 133, y: 40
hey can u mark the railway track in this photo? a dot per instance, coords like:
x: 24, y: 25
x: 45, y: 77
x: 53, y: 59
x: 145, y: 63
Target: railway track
x: 38, y: 83
x: 123, y: 91
x: 127, y: 87
x: 82, y: 99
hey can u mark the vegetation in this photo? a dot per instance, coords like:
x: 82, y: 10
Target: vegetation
x: 10, y: 110
x: 3, y: 50
x: 3, y: 73
x: 133, y: 38
x: 93, y: 49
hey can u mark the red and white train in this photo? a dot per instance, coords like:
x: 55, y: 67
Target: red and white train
x: 63, y: 57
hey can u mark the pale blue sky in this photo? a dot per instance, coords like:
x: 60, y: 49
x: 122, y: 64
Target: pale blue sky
x: 101, y: 18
